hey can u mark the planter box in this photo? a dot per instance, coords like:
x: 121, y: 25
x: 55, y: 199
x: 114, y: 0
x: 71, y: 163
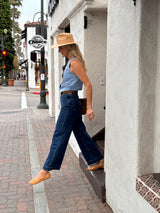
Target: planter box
x: 10, y: 82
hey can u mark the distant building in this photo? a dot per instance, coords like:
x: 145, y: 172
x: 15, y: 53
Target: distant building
x: 32, y: 29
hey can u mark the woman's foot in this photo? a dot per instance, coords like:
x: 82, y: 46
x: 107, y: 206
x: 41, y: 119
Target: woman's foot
x: 43, y: 175
x: 99, y: 165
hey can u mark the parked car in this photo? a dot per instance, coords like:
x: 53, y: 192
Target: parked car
x: 0, y: 79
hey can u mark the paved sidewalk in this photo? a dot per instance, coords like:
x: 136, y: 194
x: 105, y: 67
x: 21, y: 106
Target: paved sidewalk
x: 67, y: 191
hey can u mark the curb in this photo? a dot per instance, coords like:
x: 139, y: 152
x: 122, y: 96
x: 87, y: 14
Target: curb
x: 38, y: 93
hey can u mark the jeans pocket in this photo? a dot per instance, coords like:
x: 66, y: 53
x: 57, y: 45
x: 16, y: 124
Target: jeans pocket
x: 65, y: 100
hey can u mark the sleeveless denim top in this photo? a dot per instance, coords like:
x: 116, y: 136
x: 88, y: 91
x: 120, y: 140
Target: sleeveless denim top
x: 70, y: 80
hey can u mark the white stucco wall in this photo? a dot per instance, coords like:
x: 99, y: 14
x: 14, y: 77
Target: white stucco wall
x: 62, y: 12
x: 58, y: 63
x: 95, y: 37
x: 157, y: 104
x: 126, y: 83
x: 51, y: 77
x: 147, y: 98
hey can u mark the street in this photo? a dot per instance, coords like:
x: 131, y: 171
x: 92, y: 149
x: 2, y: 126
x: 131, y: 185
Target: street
x: 11, y: 97
x: 25, y: 138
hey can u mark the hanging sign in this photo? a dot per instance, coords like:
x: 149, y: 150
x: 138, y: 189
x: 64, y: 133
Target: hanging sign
x: 37, y: 42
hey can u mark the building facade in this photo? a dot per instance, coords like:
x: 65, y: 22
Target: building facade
x: 34, y: 66
x: 88, y: 23
x: 120, y: 44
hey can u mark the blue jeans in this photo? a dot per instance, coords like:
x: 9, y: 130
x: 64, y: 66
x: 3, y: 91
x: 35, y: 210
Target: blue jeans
x: 70, y: 119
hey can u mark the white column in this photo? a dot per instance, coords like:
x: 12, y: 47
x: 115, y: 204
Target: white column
x: 126, y: 114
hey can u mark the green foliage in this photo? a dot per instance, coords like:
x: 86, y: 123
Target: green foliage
x: 15, y: 4
x: 16, y: 63
x: 6, y: 23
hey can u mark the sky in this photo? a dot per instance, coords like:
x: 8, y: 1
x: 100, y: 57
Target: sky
x: 29, y: 9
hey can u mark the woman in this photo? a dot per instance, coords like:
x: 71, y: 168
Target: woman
x: 70, y: 118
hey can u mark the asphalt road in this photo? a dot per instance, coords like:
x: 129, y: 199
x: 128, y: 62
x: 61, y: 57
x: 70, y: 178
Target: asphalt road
x: 11, y: 97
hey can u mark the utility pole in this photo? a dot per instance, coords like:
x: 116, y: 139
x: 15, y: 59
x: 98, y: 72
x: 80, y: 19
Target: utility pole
x: 43, y: 104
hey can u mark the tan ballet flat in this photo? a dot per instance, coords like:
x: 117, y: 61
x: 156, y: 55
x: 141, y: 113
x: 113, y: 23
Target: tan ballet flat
x: 99, y: 165
x: 40, y: 177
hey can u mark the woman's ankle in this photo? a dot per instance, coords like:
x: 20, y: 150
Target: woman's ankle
x: 101, y: 161
x: 43, y: 171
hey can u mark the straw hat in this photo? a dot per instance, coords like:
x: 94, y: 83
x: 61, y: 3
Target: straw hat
x: 64, y: 39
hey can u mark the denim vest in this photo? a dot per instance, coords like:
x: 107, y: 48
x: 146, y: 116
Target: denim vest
x: 70, y: 80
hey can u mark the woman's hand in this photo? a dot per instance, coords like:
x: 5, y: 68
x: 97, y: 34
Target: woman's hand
x: 90, y: 114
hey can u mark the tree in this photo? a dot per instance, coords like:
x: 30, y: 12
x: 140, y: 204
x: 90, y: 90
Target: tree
x: 16, y: 63
x: 15, y: 4
x: 6, y: 23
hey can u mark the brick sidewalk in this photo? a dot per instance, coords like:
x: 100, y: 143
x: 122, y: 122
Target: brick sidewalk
x: 67, y: 191
x: 15, y: 193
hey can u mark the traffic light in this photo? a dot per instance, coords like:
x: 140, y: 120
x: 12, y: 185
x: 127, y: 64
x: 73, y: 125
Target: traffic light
x: 4, y: 53
x: 4, y: 66
x: 33, y: 56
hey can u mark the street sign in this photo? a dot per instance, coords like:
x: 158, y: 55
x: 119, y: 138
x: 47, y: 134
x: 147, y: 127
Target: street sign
x: 37, y: 42
x: 42, y: 77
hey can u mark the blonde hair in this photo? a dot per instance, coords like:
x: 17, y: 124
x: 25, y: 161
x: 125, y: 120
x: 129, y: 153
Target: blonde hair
x: 75, y: 52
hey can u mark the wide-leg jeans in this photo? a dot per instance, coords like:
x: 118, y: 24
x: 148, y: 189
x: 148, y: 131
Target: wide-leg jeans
x: 70, y: 119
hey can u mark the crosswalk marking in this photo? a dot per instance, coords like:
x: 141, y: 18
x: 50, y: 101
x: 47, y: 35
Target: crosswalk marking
x: 23, y: 101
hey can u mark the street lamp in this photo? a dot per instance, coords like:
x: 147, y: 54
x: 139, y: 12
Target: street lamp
x: 43, y: 104
x: 38, y: 42
x: 4, y: 53
x: 27, y: 88
x: 5, y: 31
